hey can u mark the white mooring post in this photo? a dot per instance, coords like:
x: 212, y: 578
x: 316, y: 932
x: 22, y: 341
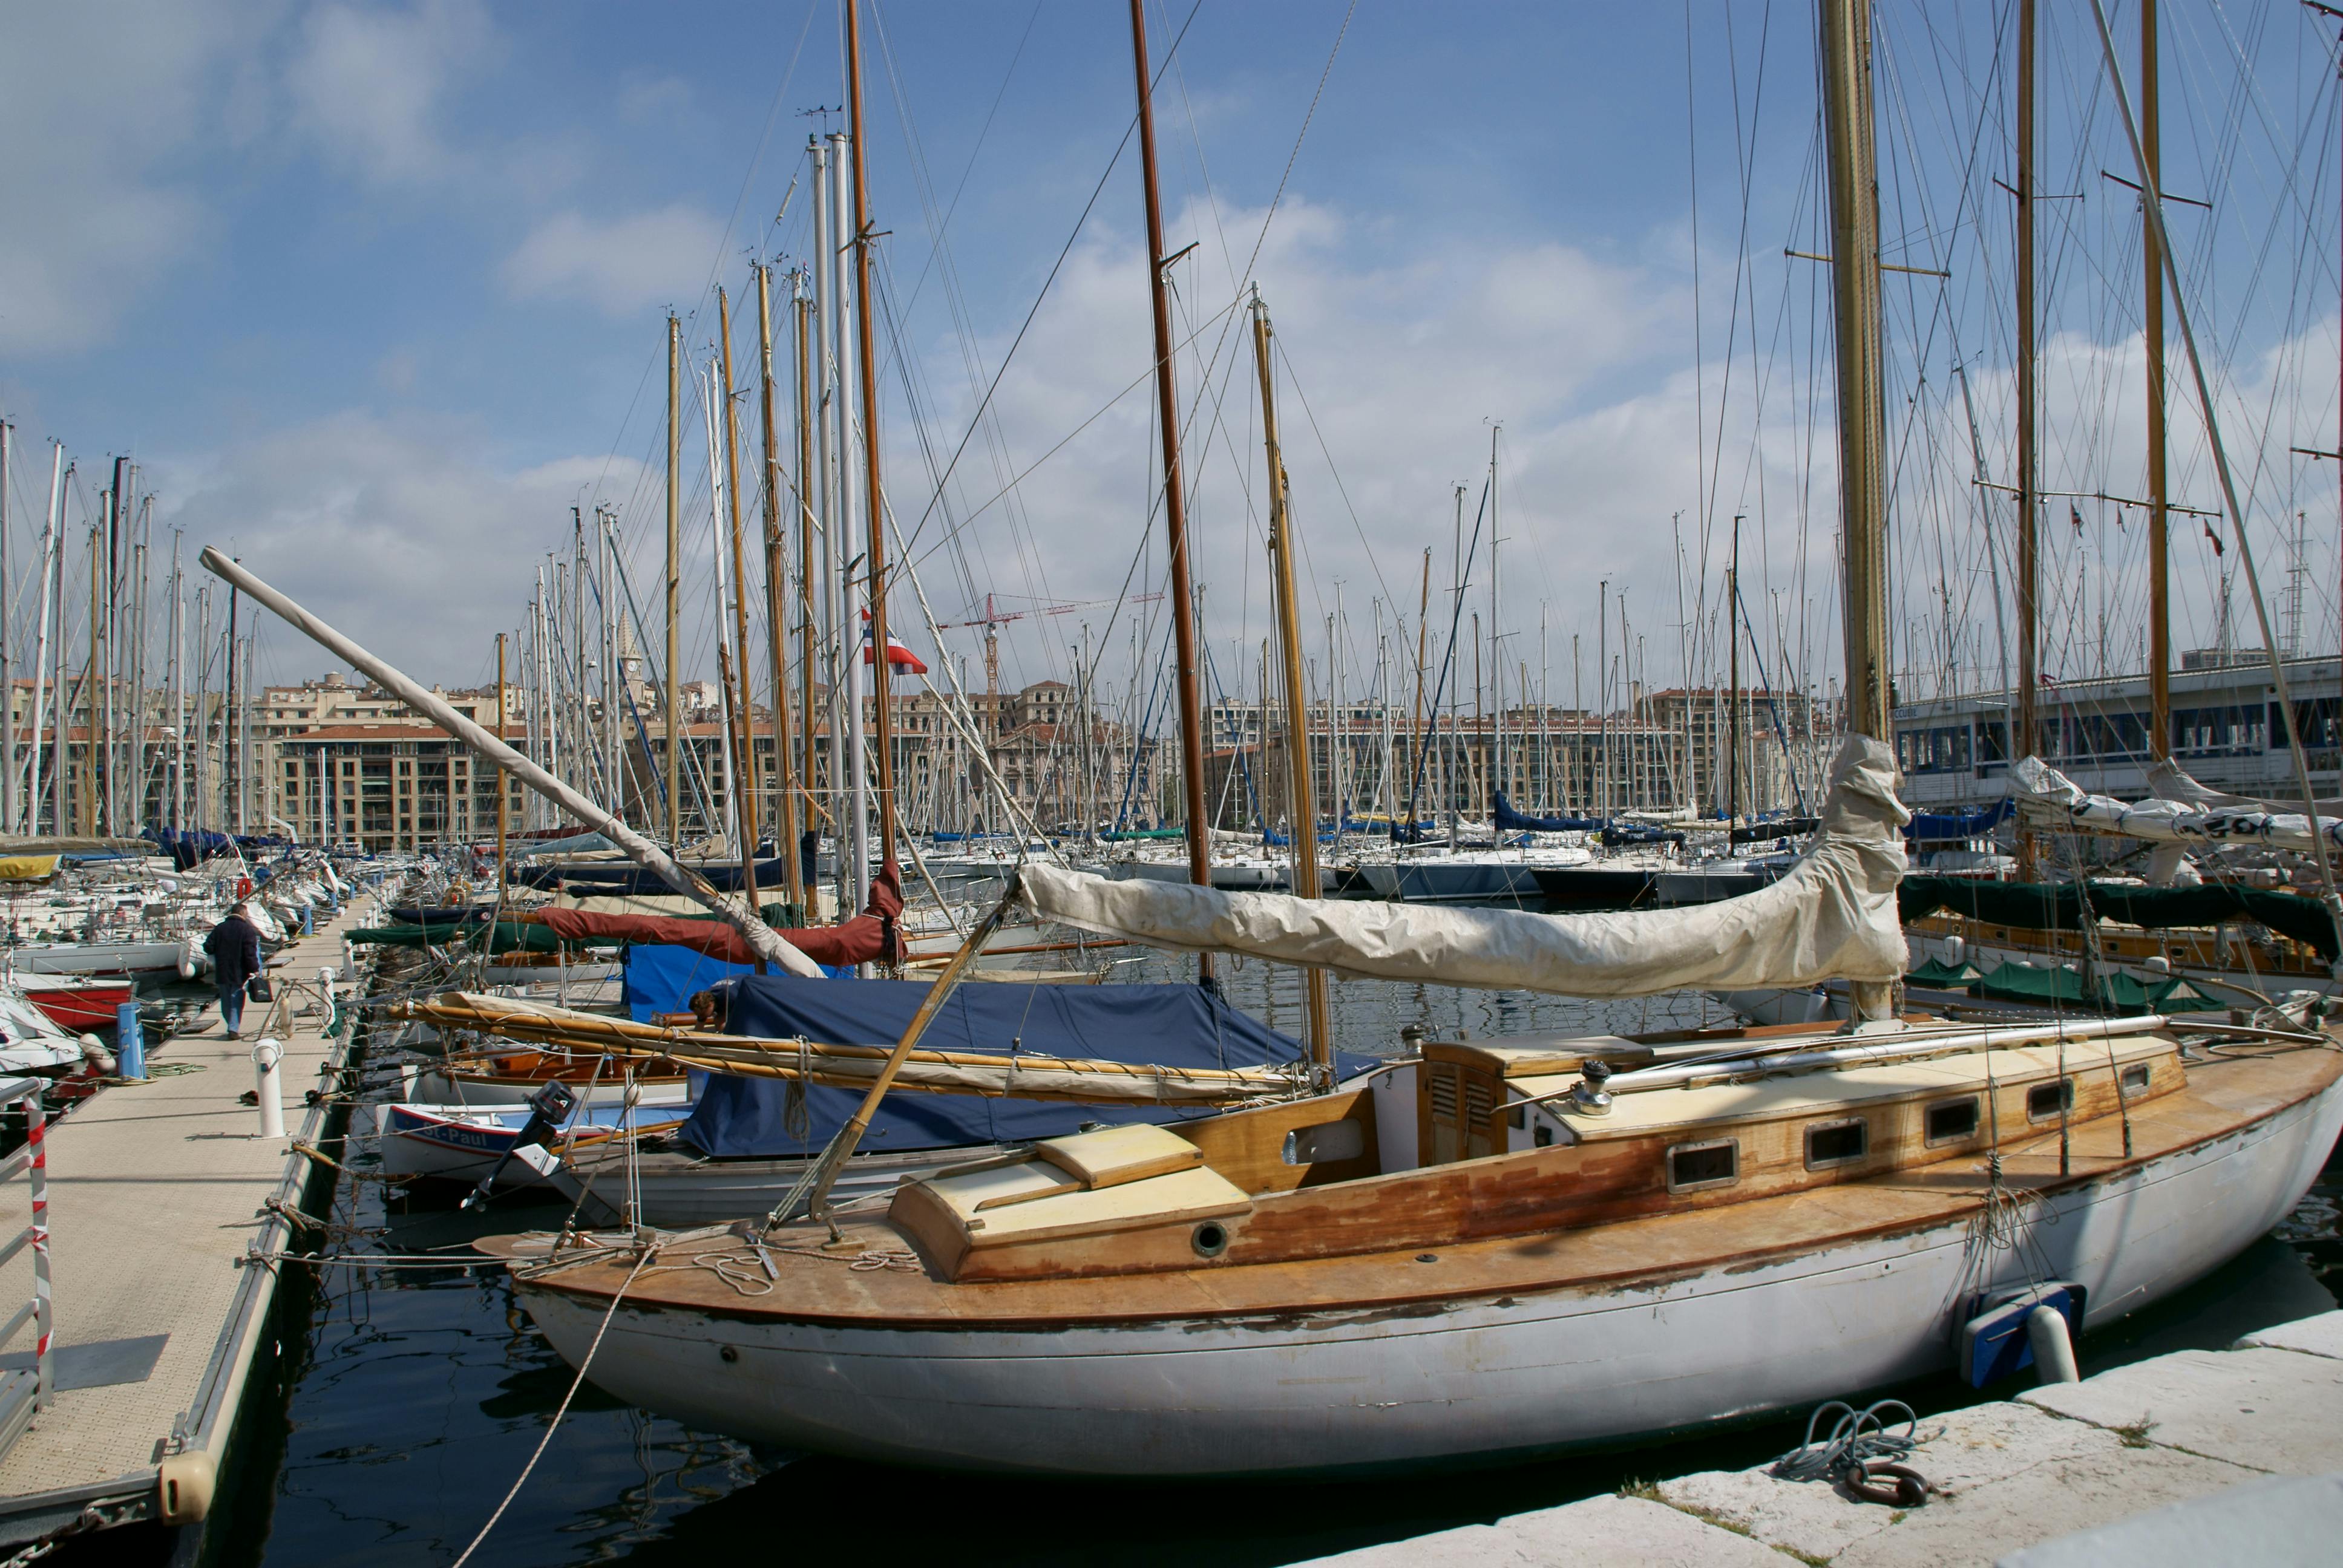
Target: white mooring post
x: 268, y: 1083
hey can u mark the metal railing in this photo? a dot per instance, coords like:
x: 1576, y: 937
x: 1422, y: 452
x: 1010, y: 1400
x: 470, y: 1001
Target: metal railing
x: 23, y: 1393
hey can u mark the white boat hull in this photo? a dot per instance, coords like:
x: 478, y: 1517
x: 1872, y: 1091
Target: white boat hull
x: 1525, y: 1372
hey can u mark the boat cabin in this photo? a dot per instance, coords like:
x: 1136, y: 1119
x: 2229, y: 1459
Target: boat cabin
x: 1486, y: 1139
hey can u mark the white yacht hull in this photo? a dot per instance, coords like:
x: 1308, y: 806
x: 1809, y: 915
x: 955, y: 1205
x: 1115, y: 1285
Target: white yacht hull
x: 1524, y: 1372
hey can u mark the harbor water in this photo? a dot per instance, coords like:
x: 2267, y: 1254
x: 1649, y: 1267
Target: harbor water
x: 408, y: 1397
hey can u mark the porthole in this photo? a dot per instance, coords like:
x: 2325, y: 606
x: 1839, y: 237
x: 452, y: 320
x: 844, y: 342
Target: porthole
x: 727, y: 1355
x: 1951, y: 1120
x: 1695, y: 1167
x: 2135, y: 1079
x: 2045, y: 1101
x: 1209, y: 1238
x: 1832, y: 1143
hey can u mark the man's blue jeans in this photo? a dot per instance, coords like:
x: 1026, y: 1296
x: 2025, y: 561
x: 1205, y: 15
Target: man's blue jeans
x: 231, y: 1000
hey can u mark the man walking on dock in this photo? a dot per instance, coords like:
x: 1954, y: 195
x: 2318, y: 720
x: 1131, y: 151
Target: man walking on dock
x: 234, y: 947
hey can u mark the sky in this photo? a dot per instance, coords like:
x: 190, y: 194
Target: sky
x: 376, y: 292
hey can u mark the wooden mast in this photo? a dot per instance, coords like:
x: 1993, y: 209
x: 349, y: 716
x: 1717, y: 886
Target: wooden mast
x: 1175, y: 502
x: 785, y: 805
x: 674, y: 578
x: 2026, y: 739
x: 739, y: 695
x: 2159, y: 567
x: 1862, y: 500
x: 1301, y: 796
x: 874, y: 498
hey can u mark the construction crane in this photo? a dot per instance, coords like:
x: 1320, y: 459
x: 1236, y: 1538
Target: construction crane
x: 994, y: 618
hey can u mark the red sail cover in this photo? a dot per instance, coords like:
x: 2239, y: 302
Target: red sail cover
x: 860, y: 940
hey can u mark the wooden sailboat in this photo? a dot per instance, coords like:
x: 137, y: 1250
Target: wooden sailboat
x: 1504, y: 1247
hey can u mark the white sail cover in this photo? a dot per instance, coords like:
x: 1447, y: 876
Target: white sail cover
x: 2049, y: 798
x: 1832, y: 916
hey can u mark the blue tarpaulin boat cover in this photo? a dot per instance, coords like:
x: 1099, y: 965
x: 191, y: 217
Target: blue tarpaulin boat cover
x: 1178, y: 1025
x: 1512, y: 821
x: 185, y: 848
x: 625, y: 878
x: 1952, y: 827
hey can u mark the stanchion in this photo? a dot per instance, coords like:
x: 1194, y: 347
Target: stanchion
x: 129, y: 1044
x: 266, y: 1080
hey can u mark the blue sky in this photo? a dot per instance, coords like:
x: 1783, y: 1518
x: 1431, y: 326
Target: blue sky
x: 375, y: 291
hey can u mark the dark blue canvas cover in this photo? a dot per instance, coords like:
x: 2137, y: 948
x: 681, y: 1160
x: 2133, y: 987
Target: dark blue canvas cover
x: 1176, y: 1025
x: 615, y: 879
x: 1510, y: 820
x: 1952, y: 827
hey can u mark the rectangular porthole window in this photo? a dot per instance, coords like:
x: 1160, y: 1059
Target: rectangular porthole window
x: 1952, y: 1120
x: 1692, y: 1167
x: 2135, y: 1078
x: 1838, y: 1142
x: 2045, y: 1101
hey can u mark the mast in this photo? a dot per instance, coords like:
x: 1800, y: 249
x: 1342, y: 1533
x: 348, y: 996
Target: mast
x: 503, y: 805
x: 2028, y: 737
x: 785, y: 806
x: 53, y: 545
x: 1854, y: 277
x: 740, y: 665
x: 1416, y: 735
x: 178, y: 680
x: 674, y: 579
x: 805, y: 574
x: 1303, y: 806
x: 874, y: 498
x: 847, y: 628
x: 1733, y: 693
x: 1175, y: 501
x: 1497, y: 656
x: 2159, y: 567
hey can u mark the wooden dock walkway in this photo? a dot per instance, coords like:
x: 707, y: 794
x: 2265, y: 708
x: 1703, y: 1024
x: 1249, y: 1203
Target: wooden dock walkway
x: 158, y: 1194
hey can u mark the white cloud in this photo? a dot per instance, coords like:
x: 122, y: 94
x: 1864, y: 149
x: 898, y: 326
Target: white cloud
x: 1405, y: 346
x: 101, y: 105
x: 619, y: 265
x: 404, y: 532
x: 370, y: 83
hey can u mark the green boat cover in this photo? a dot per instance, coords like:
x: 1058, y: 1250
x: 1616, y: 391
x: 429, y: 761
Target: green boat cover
x: 511, y: 935
x: 1944, y: 976
x: 2058, y: 907
x: 2116, y: 993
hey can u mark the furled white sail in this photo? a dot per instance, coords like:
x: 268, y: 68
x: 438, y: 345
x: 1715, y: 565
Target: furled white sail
x: 2049, y: 798
x: 1832, y: 916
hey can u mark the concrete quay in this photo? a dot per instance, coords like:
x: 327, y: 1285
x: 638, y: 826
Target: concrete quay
x: 160, y: 1198
x: 2139, y: 1466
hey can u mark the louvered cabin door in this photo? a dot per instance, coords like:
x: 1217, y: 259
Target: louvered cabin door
x: 1456, y: 1112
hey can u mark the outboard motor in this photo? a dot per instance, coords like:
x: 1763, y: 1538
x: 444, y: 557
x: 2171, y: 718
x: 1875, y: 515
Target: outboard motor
x: 549, y: 1108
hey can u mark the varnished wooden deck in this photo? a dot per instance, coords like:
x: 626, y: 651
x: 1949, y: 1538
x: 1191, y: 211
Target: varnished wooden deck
x: 2223, y: 1098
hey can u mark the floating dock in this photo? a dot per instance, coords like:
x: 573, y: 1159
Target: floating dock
x: 159, y: 1197
x: 2144, y: 1459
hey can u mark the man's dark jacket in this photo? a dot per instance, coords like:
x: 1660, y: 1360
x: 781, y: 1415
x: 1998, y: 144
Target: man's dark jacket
x: 235, y: 948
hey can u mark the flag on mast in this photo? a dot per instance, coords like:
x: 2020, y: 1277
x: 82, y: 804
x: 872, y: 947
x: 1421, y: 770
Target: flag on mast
x: 898, y: 656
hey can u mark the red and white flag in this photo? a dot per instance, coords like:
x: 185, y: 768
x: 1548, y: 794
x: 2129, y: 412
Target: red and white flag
x: 898, y: 656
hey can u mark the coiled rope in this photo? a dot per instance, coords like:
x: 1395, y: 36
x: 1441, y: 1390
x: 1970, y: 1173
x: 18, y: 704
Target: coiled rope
x: 1864, y: 1453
